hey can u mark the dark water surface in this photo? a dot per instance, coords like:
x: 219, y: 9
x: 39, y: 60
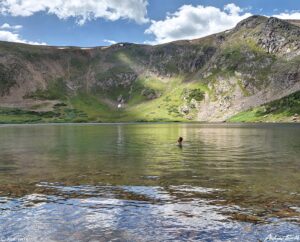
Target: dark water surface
x: 130, y: 182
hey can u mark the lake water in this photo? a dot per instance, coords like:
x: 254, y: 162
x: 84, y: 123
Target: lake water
x: 131, y: 182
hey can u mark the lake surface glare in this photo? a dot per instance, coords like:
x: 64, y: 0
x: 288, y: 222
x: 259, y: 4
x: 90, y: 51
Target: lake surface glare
x: 131, y: 182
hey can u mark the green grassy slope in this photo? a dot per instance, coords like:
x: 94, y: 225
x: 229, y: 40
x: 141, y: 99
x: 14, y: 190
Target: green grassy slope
x: 86, y: 107
x: 283, y: 110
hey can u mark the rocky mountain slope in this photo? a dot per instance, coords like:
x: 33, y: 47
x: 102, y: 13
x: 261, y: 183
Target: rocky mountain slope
x: 216, y: 78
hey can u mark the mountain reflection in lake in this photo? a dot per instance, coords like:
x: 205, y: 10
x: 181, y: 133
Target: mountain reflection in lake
x: 132, y: 183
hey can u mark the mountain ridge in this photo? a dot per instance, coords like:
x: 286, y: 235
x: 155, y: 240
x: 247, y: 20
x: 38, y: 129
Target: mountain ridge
x: 207, y: 79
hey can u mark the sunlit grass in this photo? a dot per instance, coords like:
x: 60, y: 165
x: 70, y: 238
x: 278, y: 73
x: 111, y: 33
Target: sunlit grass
x: 97, y: 107
x: 277, y: 111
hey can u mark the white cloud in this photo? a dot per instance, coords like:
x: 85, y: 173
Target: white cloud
x: 82, y: 10
x: 232, y: 9
x: 10, y: 33
x: 190, y: 22
x: 291, y: 15
x: 111, y: 42
x: 11, y: 27
x: 6, y: 35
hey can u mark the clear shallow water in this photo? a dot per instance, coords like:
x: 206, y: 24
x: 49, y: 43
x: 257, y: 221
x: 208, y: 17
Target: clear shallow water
x: 132, y: 183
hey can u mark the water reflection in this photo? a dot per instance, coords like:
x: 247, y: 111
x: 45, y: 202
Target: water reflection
x: 132, y: 182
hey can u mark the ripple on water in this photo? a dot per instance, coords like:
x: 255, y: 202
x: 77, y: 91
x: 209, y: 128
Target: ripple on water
x: 133, y: 213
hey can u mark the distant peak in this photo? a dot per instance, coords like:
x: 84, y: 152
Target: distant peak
x: 276, y: 22
x: 267, y: 23
x: 252, y: 21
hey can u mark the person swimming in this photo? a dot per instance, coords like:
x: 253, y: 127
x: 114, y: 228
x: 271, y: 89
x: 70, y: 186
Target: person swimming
x: 179, y: 141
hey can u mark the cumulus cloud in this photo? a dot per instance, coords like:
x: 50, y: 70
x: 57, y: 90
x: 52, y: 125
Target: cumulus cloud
x: 11, y: 27
x: 83, y: 11
x: 10, y: 33
x: 111, y: 42
x: 232, y: 9
x: 288, y: 15
x: 190, y: 22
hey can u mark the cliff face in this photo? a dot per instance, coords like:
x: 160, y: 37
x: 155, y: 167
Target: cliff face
x: 208, y: 79
x: 258, y: 62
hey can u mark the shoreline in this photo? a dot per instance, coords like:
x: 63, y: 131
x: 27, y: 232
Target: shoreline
x: 146, y: 123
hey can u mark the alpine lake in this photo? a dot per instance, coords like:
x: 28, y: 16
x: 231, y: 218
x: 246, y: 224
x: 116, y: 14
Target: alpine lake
x: 132, y: 182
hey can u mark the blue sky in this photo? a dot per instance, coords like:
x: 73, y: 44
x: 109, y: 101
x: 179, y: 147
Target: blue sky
x: 102, y: 22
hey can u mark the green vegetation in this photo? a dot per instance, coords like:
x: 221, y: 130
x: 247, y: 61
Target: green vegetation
x: 167, y: 106
x: 196, y: 94
x: 280, y: 110
x: 114, y: 72
x: 233, y: 57
x: 60, y: 113
x: 14, y: 115
x: 243, y: 89
x: 96, y: 107
x: 56, y: 89
x: 78, y: 64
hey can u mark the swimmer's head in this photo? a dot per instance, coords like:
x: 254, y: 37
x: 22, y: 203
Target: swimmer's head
x: 180, y: 139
